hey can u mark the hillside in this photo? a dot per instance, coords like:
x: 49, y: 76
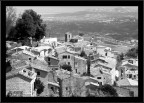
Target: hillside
x: 118, y: 23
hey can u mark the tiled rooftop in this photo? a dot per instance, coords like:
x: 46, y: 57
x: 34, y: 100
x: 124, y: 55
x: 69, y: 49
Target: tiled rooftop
x: 40, y: 65
x: 27, y: 73
x: 78, y: 57
x: 127, y: 82
x: 20, y: 64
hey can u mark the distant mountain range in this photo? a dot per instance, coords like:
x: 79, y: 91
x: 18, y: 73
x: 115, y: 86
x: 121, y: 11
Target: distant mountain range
x: 119, y: 22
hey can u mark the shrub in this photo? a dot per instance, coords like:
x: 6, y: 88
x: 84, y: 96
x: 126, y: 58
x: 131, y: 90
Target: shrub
x: 66, y: 67
x: 39, y: 86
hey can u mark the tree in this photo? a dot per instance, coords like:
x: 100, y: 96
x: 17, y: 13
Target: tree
x: 29, y: 25
x: 66, y: 67
x: 39, y: 86
x: 8, y: 66
x: 83, y: 54
x: 88, y: 66
x: 132, y: 53
x: 25, y: 26
x: 10, y: 19
x: 120, y: 57
x: 108, y: 90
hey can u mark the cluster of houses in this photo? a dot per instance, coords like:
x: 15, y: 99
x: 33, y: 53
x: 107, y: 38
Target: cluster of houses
x: 45, y: 61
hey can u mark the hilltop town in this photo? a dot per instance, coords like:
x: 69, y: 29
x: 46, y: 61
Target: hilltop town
x: 74, y: 67
x: 80, y: 64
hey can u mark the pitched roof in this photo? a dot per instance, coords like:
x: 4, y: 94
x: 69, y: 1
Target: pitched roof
x: 106, y: 65
x: 52, y: 83
x: 28, y: 53
x: 68, y: 51
x: 22, y: 71
x: 50, y: 56
x: 41, y: 65
x: 40, y: 48
x: 20, y: 64
x: 91, y: 83
x: 127, y: 82
x: 78, y: 57
x: 13, y: 72
x: 111, y: 62
x: 60, y: 49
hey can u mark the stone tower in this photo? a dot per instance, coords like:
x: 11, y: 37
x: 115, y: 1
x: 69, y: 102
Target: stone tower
x: 68, y: 36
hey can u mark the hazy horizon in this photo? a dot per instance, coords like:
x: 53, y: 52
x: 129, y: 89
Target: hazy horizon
x: 63, y: 9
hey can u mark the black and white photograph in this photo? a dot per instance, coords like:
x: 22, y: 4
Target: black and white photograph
x: 72, y: 51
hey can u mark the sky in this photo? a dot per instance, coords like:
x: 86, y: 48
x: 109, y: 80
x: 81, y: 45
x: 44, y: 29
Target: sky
x: 56, y: 9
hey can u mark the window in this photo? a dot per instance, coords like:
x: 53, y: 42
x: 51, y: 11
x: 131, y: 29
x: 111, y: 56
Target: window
x: 76, y: 64
x: 98, y: 77
x: 52, y: 88
x: 66, y: 88
x: 64, y: 57
x: 130, y: 61
x: 48, y: 63
x: 38, y: 73
x: 130, y: 75
x: 49, y: 59
x: 29, y: 58
x: 134, y: 76
x: 68, y: 63
x: 100, y: 83
x: 131, y: 93
x: 68, y: 56
x: 76, y: 70
x: 105, y: 54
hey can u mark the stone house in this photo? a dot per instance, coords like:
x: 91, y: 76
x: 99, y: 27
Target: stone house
x: 103, y: 77
x: 105, y: 51
x: 80, y: 65
x: 21, y: 80
x: 67, y: 57
x: 130, y: 84
x: 48, y: 41
x: 45, y: 73
x: 71, y: 83
x: 42, y: 51
x: 122, y: 92
x: 129, y: 69
x: 108, y: 64
x: 18, y: 49
x: 24, y: 55
x: 52, y: 62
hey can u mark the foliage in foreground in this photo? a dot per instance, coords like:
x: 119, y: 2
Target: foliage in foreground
x: 132, y: 53
x: 39, y: 86
x: 28, y: 25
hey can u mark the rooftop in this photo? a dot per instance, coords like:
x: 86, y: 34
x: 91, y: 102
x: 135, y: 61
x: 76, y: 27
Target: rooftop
x: 22, y: 71
x: 40, y: 48
x: 50, y: 56
x: 127, y: 82
x: 41, y: 65
x: 91, y: 83
x: 28, y: 53
x: 22, y: 47
x: 20, y: 64
x: 106, y: 65
x: 78, y: 57
x: 27, y: 73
